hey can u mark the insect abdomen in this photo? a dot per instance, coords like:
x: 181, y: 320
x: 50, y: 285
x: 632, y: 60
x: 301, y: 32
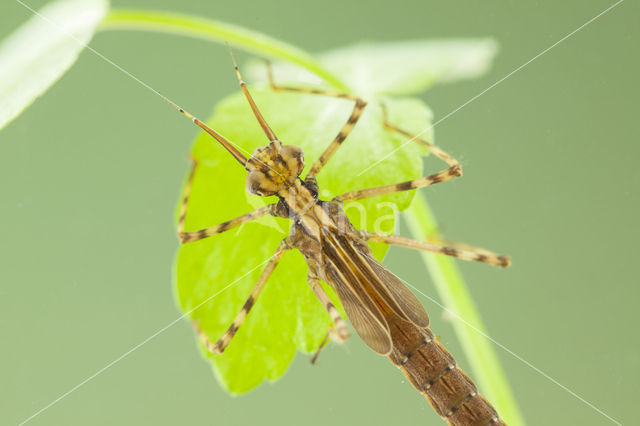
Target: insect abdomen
x: 433, y: 371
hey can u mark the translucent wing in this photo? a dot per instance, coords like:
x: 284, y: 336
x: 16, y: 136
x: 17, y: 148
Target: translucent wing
x: 382, y: 284
x: 408, y: 303
x: 373, y: 330
x: 363, y: 313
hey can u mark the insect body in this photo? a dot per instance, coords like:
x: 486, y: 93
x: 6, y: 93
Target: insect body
x: 383, y: 312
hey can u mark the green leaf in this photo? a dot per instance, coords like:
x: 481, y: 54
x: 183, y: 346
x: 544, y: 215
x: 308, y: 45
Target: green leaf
x: 36, y: 55
x: 408, y: 67
x: 287, y: 315
x: 400, y: 68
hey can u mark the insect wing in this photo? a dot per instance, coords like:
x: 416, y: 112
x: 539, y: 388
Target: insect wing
x: 411, y: 307
x: 371, y: 329
x: 365, y: 316
x: 382, y: 285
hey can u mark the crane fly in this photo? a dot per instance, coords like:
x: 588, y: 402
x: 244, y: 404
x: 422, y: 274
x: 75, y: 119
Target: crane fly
x: 382, y: 310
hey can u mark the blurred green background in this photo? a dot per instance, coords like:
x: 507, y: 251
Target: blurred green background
x: 90, y: 174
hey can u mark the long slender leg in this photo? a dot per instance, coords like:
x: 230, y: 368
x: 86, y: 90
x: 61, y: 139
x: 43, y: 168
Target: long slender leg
x: 470, y: 253
x: 452, y: 162
x: 185, y: 198
x: 339, y: 331
x: 187, y: 237
x: 344, y: 132
x: 453, y: 171
x: 219, y: 346
x: 324, y: 342
x: 442, y: 176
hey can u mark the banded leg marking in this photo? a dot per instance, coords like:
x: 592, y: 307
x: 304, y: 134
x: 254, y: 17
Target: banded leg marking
x: 452, y: 162
x: 185, y: 198
x: 477, y: 255
x: 442, y: 176
x: 454, y: 170
x: 358, y: 108
x: 341, y: 329
x: 187, y: 237
x: 219, y: 346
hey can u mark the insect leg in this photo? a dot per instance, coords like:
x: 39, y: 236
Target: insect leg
x: 344, y: 132
x: 219, y: 346
x: 442, y: 176
x: 324, y: 342
x: 341, y: 329
x: 187, y: 237
x: 468, y: 253
x: 454, y: 170
x: 331, y: 334
x: 185, y: 199
x: 452, y: 162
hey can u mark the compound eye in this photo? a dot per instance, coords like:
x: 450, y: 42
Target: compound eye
x: 294, y: 157
x: 259, y: 184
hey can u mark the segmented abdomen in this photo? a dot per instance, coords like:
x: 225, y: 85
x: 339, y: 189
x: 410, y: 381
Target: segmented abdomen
x: 433, y: 371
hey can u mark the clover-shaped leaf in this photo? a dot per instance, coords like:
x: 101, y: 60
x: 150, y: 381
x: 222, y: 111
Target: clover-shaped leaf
x: 287, y: 316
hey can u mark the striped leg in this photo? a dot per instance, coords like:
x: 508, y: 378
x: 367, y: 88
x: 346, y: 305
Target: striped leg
x: 324, y: 342
x: 185, y: 199
x: 344, y: 132
x: 469, y: 253
x: 339, y: 331
x: 442, y: 176
x: 219, y: 346
x: 432, y: 148
x: 187, y: 237
x: 332, y: 334
x: 454, y: 170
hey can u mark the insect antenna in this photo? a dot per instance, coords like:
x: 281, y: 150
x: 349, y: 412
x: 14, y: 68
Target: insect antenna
x: 263, y: 123
x: 217, y: 136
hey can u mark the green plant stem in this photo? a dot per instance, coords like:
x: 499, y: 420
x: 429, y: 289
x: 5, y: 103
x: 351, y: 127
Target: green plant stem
x: 208, y: 29
x: 455, y: 296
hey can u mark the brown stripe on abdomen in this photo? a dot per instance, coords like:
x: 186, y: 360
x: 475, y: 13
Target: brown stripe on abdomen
x: 433, y: 371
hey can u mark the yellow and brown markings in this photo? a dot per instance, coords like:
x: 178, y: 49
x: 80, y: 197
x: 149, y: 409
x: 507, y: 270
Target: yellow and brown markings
x: 219, y: 346
x: 341, y: 329
x: 442, y: 176
x: 382, y: 310
x: 273, y: 168
x: 358, y: 108
x: 342, y: 135
x: 185, y: 198
x: 477, y: 255
x: 452, y: 162
x: 187, y: 237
